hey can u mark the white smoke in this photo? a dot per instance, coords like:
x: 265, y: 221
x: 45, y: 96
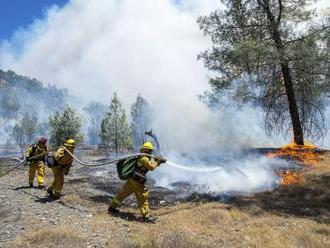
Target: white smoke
x: 94, y: 48
x: 251, y: 173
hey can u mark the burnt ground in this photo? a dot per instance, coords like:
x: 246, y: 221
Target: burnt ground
x: 289, y: 216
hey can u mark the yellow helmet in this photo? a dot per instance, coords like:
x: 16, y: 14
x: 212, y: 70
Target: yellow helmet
x: 70, y: 142
x: 148, y: 146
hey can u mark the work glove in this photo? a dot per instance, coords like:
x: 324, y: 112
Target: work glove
x: 160, y: 160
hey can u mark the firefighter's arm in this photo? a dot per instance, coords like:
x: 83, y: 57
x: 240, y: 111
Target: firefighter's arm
x: 147, y: 163
x: 160, y: 160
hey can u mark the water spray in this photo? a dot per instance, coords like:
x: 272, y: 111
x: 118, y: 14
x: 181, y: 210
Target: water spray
x: 191, y: 169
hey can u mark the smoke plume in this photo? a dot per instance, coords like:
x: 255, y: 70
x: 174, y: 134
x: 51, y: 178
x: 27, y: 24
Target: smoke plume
x: 95, y: 48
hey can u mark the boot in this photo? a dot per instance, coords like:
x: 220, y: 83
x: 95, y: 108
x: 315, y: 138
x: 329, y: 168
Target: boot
x: 150, y: 219
x: 30, y: 185
x: 54, y: 197
x: 113, y: 210
x: 50, y: 192
x: 41, y: 186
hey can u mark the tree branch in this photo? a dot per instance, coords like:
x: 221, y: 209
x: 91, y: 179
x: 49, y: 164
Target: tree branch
x: 280, y: 12
x: 307, y: 36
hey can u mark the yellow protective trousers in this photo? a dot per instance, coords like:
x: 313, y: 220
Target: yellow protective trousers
x: 38, y: 167
x: 141, y: 192
x: 57, y: 185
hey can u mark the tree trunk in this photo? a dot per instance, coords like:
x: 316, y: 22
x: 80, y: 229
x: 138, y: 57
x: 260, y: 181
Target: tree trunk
x: 288, y: 84
x: 293, y: 108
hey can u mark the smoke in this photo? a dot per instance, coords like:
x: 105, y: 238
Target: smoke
x: 248, y: 173
x: 94, y: 48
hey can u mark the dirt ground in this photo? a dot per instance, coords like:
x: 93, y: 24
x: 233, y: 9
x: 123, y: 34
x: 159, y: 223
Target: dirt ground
x: 289, y: 216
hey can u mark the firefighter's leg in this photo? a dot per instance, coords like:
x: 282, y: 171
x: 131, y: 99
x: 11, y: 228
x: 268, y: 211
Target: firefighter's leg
x: 125, y: 192
x: 57, y: 185
x: 32, y: 171
x: 142, y: 195
x: 50, y: 189
x: 41, y: 174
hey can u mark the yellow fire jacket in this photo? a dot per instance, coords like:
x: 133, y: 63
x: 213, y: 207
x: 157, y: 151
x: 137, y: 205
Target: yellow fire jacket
x: 63, y: 159
x: 144, y: 164
x: 36, y: 149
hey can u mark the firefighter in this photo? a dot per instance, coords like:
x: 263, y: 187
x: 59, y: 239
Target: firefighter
x: 62, y: 162
x: 35, y: 156
x: 136, y: 183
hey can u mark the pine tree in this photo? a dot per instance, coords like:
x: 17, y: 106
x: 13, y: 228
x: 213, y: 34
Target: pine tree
x: 65, y: 125
x: 271, y: 53
x: 115, y: 132
x: 141, y: 115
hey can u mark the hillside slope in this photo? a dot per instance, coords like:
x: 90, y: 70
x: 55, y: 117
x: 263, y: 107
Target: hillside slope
x: 20, y: 94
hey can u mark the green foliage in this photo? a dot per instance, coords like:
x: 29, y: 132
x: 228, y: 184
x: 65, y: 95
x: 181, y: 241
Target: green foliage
x: 24, y: 131
x: 253, y: 40
x: 95, y: 112
x: 141, y: 115
x: 115, y: 132
x: 65, y: 125
x: 9, y: 104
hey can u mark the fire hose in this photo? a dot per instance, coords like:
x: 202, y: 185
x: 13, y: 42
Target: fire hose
x: 21, y: 162
x: 107, y: 162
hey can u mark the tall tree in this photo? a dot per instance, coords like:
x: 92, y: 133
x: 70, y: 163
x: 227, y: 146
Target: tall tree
x: 273, y: 53
x: 65, y: 125
x: 95, y: 113
x: 115, y: 132
x: 24, y: 131
x: 141, y: 115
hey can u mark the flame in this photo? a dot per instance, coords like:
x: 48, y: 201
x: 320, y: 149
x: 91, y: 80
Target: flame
x: 291, y: 177
x: 306, y: 154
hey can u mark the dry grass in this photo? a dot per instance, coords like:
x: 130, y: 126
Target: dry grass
x: 61, y: 236
x: 169, y: 240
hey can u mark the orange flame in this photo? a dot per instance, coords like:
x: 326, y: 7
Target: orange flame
x: 291, y: 177
x: 307, y: 155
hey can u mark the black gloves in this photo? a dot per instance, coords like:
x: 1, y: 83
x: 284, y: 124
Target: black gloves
x: 160, y: 160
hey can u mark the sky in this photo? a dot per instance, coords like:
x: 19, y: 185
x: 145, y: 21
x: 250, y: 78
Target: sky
x: 98, y: 47
x: 16, y: 14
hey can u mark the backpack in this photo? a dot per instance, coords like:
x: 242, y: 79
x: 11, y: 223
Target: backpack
x: 126, y: 167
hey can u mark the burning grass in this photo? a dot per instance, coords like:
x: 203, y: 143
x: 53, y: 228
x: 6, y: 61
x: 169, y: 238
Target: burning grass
x: 289, y: 177
x: 307, y: 154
